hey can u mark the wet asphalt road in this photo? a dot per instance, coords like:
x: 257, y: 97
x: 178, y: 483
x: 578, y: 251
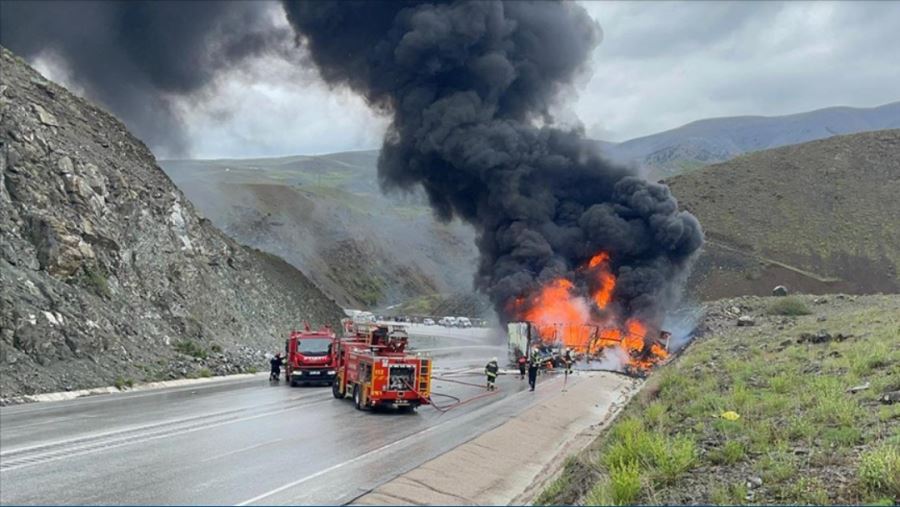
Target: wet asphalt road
x: 237, y: 442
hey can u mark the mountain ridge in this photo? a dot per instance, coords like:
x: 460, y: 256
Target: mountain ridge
x: 712, y: 140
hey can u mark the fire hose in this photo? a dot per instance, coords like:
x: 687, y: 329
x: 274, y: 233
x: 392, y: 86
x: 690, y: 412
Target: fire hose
x: 459, y: 402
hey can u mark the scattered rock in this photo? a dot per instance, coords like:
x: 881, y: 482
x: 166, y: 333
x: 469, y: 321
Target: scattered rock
x: 890, y: 397
x: 780, y: 290
x: 820, y: 301
x: 745, y: 321
x: 754, y: 482
x: 821, y: 318
x: 96, y: 273
x: 822, y: 337
x: 44, y: 116
x: 862, y: 387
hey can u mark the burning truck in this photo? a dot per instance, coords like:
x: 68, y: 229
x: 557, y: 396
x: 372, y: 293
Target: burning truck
x: 559, y: 316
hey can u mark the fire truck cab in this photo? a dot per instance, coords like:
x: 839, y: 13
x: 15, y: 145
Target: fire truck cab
x: 311, y: 357
x: 374, y: 369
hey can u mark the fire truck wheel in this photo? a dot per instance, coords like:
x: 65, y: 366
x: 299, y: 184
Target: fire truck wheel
x: 357, y: 397
x: 337, y: 391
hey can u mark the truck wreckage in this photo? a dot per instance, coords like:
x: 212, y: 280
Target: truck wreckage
x: 630, y: 351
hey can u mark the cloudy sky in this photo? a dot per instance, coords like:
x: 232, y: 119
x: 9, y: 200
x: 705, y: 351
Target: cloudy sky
x: 660, y: 65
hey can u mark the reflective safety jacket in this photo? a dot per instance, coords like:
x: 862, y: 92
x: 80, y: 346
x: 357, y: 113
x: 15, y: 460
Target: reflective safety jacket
x: 491, y: 369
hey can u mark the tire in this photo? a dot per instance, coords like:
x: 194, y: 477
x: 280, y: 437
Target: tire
x: 357, y: 397
x: 336, y: 390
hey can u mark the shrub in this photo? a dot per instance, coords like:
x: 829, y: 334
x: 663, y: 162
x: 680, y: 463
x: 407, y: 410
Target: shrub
x: 632, y: 444
x: 122, y: 383
x: 252, y: 370
x: 879, y: 471
x: 777, y: 466
x: 842, y: 436
x: 806, y: 491
x: 216, y: 348
x: 863, y: 361
x: 204, y: 372
x: 190, y: 348
x: 729, y: 454
x: 93, y: 279
x: 656, y: 414
x: 555, y: 488
x: 674, y: 458
x: 789, y: 306
x: 625, y: 483
x: 600, y: 494
x: 731, y: 494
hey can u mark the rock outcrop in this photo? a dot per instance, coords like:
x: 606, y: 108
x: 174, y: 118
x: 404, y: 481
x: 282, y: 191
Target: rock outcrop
x: 108, y: 274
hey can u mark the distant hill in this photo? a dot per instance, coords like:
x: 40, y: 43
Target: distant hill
x: 715, y: 140
x: 820, y: 217
x: 326, y: 215
x: 771, y: 217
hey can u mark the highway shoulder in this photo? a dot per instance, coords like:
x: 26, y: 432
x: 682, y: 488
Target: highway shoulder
x: 510, y: 463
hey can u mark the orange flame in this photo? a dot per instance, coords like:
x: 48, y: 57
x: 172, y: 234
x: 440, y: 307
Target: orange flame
x: 605, y: 279
x: 561, y: 316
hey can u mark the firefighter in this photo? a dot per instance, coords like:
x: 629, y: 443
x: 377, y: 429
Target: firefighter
x: 523, y: 365
x: 276, y: 363
x: 534, y: 363
x: 568, y: 358
x: 491, y: 370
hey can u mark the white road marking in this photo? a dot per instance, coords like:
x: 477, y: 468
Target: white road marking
x: 167, y: 422
x: 340, y: 465
x: 220, y: 456
x: 367, y: 454
x: 125, y: 395
x: 113, y: 445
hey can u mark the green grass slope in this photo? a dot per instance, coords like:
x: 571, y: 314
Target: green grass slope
x: 802, y: 435
x: 820, y: 217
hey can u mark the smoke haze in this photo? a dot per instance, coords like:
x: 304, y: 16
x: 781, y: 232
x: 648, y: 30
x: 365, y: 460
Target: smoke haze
x: 134, y: 57
x: 470, y: 87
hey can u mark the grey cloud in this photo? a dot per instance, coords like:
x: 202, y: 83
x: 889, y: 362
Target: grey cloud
x: 133, y: 56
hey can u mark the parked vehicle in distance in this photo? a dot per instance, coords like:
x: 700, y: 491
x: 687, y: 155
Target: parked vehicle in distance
x: 447, y: 321
x: 463, y: 322
x: 428, y: 322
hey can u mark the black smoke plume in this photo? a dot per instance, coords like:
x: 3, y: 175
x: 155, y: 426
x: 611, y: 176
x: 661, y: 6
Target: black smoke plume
x: 470, y: 87
x: 134, y: 57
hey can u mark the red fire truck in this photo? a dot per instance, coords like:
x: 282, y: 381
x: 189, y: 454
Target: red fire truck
x: 310, y: 356
x: 374, y: 368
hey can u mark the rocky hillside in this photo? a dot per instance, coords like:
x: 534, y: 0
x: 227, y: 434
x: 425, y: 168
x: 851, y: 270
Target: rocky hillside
x: 818, y: 217
x: 713, y: 140
x: 108, y: 274
x: 326, y: 215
